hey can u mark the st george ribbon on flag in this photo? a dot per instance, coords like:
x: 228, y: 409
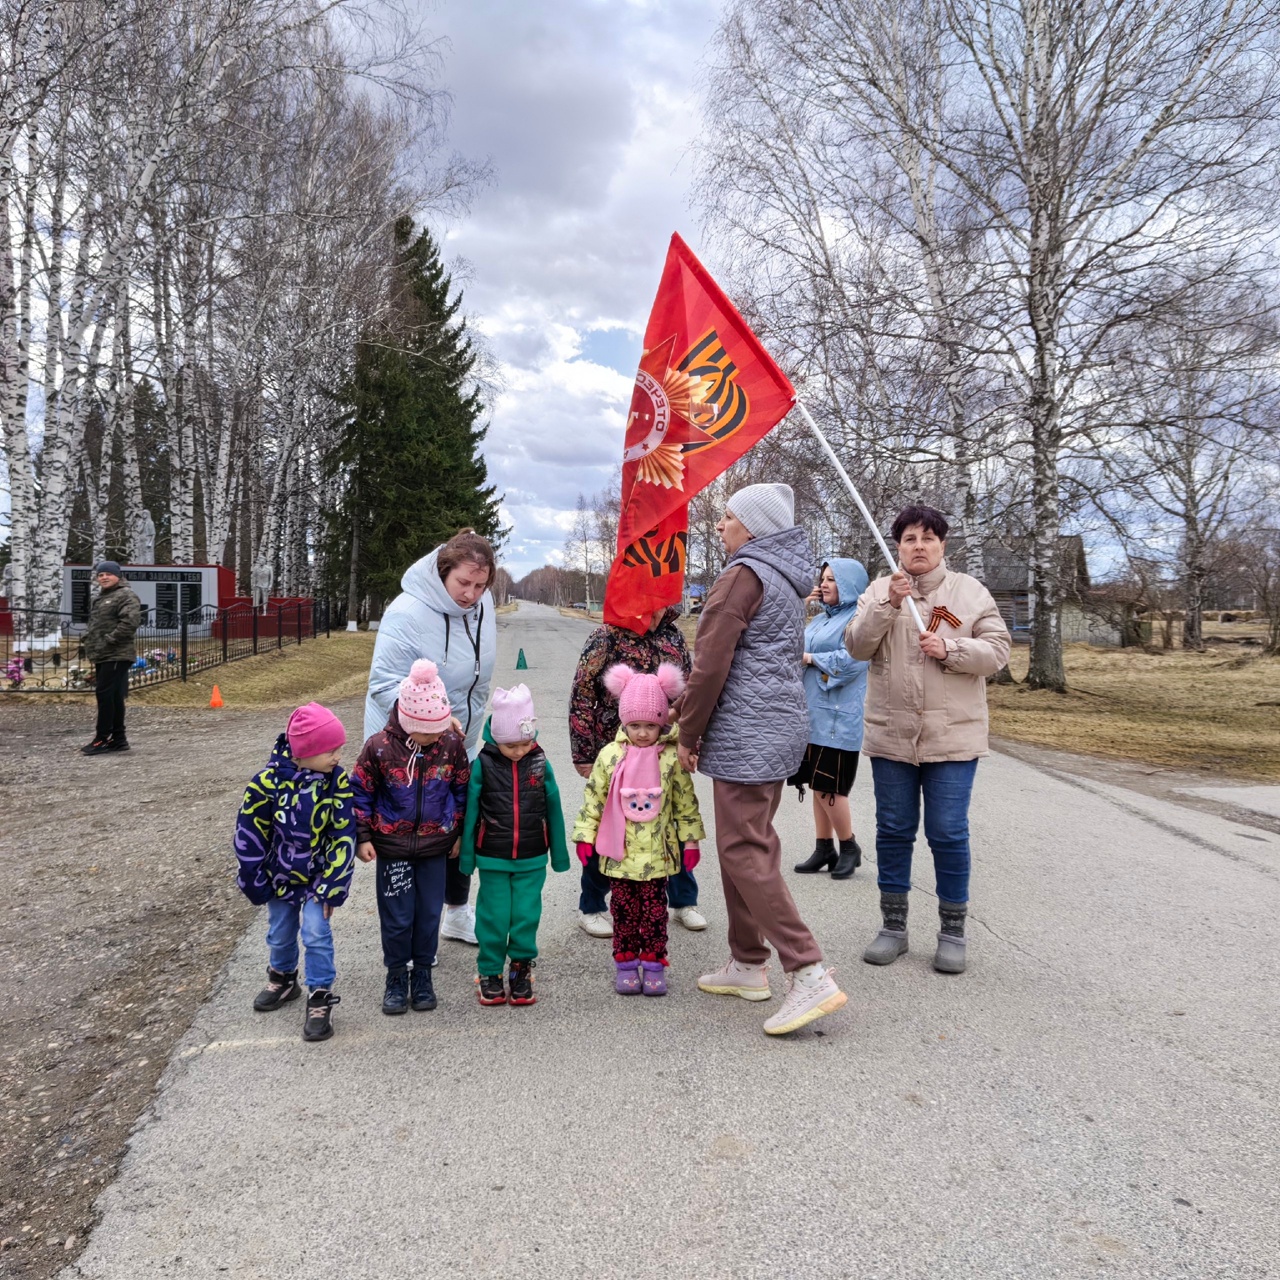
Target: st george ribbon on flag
x: 705, y: 393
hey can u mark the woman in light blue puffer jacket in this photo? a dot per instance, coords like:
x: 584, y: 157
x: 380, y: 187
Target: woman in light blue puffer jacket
x: 445, y: 613
x: 835, y: 687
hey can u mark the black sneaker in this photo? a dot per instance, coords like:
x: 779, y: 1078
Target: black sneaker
x: 96, y: 747
x: 280, y: 989
x: 117, y: 744
x: 316, y: 1025
x: 491, y: 989
x: 396, y: 997
x: 424, y: 996
x: 520, y: 979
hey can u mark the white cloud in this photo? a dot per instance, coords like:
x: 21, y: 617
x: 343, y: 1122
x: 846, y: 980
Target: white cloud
x: 587, y: 110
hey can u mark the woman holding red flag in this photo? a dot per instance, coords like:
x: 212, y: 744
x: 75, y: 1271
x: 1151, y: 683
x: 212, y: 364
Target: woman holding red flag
x: 744, y: 721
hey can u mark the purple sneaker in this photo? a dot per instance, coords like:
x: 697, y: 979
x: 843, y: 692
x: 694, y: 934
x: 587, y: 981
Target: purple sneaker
x: 628, y: 980
x: 655, y: 977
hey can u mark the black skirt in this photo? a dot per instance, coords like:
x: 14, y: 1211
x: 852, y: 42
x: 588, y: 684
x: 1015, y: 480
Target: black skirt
x: 828, y: 770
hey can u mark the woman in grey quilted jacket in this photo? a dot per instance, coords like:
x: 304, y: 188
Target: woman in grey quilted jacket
x: 744, y: 721
x: 925, y: 723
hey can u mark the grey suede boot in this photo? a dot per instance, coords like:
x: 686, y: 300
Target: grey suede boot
x: 891, y: 941
x: 950, y: 955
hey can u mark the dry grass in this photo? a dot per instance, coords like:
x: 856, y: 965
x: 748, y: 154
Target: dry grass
x: 1183, y: 710
x: 324, y: 670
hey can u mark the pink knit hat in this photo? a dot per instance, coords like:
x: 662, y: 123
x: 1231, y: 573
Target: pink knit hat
x: 513, y: 720
x: 644, y: 699
x: 423, y: 702
x: 314, y: 730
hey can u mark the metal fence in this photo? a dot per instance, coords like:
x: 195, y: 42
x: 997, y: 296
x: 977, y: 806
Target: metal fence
x: 42, y: 651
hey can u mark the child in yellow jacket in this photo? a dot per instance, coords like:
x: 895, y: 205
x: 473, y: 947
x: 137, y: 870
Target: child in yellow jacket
x: 640, y: 818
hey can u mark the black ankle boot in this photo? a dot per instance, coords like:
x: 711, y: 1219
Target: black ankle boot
x: 821, y: 859
x: 396, y: 997
x: 280, y: 989
x: 424, y: 995
x: 317, y: 1025
x: 849, y: 861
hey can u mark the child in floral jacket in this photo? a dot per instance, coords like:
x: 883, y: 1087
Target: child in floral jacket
x: 410, y: 784
x: 640, y: 820
x: 295, y: 843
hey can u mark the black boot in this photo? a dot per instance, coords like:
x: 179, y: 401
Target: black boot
x: 396, y: 997
x: 280, y: 989
x: 317, y: 1025
x: 849, y: 861
x: 822, y: 858
x: 120, y: 743
x: 520, y: 979
x: 424, y: 996
x: 96, y: 747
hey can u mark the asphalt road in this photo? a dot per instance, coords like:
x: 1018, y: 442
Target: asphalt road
x: 1098, y: 1096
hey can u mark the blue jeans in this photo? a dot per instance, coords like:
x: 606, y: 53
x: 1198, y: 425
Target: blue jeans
x: 410, y: 902
x: 682, y: 890
x: 283, y: 921
x: 946, y: 786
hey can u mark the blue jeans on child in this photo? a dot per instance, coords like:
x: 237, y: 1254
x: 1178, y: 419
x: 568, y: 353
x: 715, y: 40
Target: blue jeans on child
x: 410, y: 902
x: 283, y: 921
x: 682, y: 890
x: 946, y: 786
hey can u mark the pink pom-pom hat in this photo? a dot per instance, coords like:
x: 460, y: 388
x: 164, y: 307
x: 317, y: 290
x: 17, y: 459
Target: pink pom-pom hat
x: 423, y: 702
x: 644, y: 699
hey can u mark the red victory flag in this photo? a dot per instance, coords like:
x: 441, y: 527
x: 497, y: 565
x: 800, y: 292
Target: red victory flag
x: 705, y: 393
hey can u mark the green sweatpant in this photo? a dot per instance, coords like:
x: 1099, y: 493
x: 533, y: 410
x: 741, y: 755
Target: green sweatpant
x: 508, y: 908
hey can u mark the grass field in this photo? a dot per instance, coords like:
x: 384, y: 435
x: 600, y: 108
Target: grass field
x: 1202, y: 711
x: 321, y: 670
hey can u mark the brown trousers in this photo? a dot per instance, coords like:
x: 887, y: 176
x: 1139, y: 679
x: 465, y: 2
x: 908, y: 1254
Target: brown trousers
x: 759, y: 903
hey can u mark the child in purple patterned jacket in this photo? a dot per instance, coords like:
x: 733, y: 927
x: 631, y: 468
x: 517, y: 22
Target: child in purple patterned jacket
x: 410, y: 784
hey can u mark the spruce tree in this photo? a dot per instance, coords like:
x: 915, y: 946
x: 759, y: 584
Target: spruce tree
x: 409, y: 465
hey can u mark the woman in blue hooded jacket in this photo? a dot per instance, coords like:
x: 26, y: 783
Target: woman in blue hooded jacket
x: 835, y: 687
x: 445, y: 613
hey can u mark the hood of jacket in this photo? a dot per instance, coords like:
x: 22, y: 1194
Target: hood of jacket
x: 787, y: 551
x: 422, y: 580
x: 851, y: 581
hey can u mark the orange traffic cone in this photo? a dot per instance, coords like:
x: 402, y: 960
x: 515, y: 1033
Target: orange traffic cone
x: 216, y: 699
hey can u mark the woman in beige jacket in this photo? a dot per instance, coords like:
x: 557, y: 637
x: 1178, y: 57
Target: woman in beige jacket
x: 926, y: 723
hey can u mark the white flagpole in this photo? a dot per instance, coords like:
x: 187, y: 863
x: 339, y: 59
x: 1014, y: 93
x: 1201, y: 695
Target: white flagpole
x: 862, y: 506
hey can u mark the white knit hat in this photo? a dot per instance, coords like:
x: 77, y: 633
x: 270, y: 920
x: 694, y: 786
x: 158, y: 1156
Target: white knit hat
x: 764, y: 508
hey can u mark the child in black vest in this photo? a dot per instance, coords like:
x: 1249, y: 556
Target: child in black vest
x: 513, y: 823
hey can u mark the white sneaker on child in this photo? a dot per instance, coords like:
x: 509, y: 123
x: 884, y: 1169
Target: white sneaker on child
x: 460, y: 924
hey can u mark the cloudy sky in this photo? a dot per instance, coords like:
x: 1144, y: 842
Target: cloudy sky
x: 587, y: 110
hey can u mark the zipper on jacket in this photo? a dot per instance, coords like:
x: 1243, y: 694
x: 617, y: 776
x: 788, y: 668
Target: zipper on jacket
x: 417, y: 817
x: 476, y: 645
x: 515, y: 780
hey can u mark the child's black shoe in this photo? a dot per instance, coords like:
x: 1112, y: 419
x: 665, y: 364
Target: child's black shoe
x: 280, y: 989
x: 520, y: 980
x: 317, y: 1025
x: 424, y: 996
x: 491, y: 989
x: 396, y: 997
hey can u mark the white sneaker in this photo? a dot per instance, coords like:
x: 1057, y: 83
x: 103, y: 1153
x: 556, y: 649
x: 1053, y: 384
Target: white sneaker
x: 599, y: 924
x: 750, y: 981
x: 460, y: 924
x: 811, y: 994
x: 691, y: 918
